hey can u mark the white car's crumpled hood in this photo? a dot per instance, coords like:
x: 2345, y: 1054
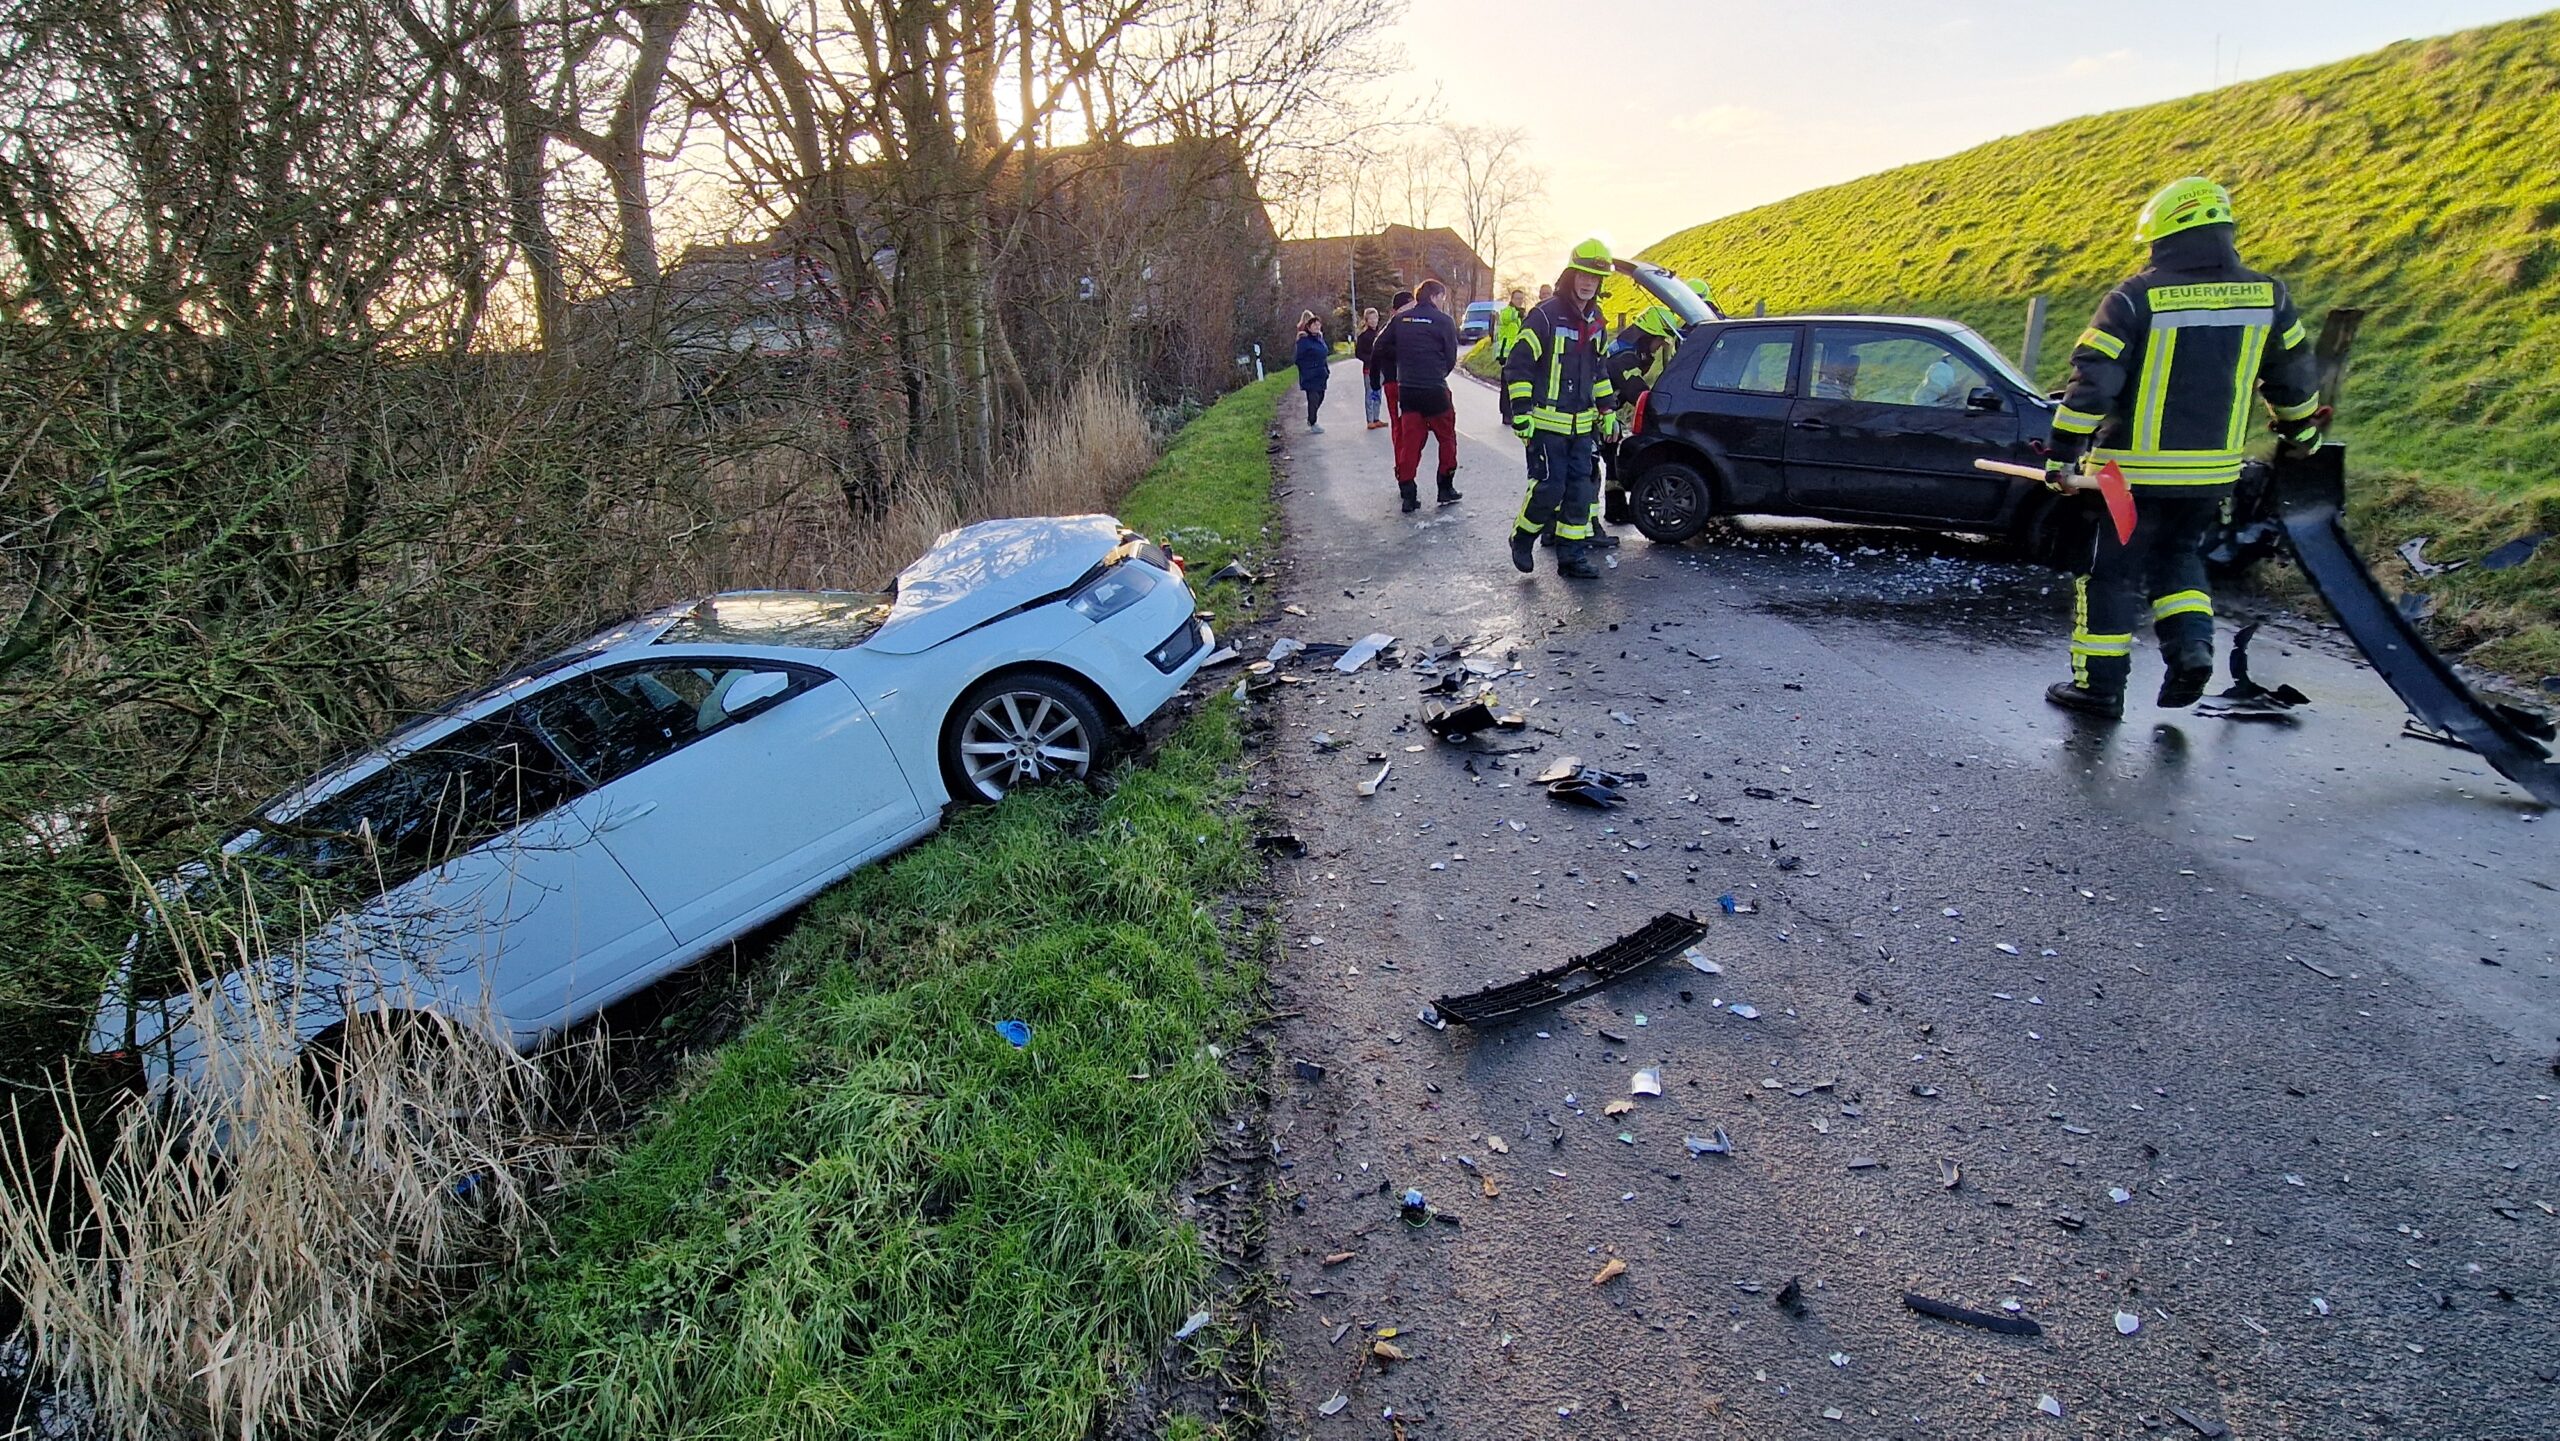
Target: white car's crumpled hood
x: 979, y: 572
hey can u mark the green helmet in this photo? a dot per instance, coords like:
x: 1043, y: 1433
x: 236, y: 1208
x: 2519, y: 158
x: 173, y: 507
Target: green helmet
x: 1658, y: 321
x: 1591, y: 257
x: 1705, y: 291
x: 2183, y: 205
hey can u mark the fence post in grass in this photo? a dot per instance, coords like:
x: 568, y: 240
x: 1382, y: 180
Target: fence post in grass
x: 2028, y: 353
x: 1759, y: 308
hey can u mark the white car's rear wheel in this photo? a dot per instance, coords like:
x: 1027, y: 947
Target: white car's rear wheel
x: 1011, y: 731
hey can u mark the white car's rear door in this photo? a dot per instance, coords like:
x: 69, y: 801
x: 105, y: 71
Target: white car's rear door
x: 716, y: 808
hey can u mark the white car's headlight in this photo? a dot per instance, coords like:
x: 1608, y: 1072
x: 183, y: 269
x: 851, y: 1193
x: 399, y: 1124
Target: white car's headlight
x: 1115, y: 590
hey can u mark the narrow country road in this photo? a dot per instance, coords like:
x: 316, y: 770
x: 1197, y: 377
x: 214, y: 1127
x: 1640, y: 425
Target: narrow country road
x: 2240, y: 1038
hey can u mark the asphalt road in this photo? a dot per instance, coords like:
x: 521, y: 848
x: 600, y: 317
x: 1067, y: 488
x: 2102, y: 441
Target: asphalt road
x: 2290, y: 993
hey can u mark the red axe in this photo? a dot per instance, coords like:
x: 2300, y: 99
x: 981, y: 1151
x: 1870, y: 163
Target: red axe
x: 2107, y: 481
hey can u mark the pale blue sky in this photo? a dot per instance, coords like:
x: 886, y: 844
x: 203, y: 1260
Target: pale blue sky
x: 1760, y: 99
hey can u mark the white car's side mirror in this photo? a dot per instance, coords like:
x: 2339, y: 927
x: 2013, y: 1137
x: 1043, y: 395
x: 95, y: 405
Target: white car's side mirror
x: 749, y: 691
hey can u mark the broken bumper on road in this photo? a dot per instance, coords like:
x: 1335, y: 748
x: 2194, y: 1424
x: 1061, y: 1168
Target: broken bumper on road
x: 2311, y: 497
x: 1664, y: 936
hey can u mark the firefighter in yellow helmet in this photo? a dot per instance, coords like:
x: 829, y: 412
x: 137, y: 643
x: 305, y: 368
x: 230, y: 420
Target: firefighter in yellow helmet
x: 2162, y: 384
x: 1555, y: 388
x: 1642, y: 351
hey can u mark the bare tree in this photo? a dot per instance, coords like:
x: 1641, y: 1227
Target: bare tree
x: 1497, y: 186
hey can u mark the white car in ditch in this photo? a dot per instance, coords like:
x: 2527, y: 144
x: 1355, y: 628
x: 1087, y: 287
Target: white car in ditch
x: 593, y: 821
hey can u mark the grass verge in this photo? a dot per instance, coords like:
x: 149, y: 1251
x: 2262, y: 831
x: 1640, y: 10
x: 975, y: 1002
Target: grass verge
x: 872, y: 1216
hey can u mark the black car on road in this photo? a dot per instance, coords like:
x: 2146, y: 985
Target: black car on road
x: 1866, y: 418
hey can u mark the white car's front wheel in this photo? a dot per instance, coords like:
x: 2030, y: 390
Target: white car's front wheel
x: 1016, y: 730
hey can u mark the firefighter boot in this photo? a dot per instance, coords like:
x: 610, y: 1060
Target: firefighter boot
x: 1449, y: 489
x: 1524, y: 551
x: 1412, y: 499
x: 2071, y: 695
x: 2190, y: 671
x: 1574, y: 563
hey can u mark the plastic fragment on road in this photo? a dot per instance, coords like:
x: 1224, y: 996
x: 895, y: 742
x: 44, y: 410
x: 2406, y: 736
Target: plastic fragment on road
x: 1718, y: 1144
x: 1370, y: 786
x: 1283, y: 648
x: 1452, y: 724
x: 1232, y: 570
x: 1950, y: 1174
x: 2119, y: 1195
x: 1016, y: 1032
x: 2204, y: 1426
x: 1647, y: 1082
x: 1618, y: 1107
x: 2245, y: 698
x: 1333, y: 1407
x: 1366, y: 651
x: 1610, y: 1272
x: 1664, y: 936
x: 1307, y: 1070
x: 1191, y: 1325
x: 1733, y: 907
x: 1993, y: 1321
x: 1748, y: 1013
x: 2048, y: 1406
x: 1387, y: 1353
x: 1223, y: 655
x: 1698, y: 962
x: 2127, y: 1323
x: 1413, y: 1209
x: 1591, y: 786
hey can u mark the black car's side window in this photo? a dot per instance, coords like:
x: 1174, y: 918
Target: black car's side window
x: 1890, y: 368
x: 433, y: 803
x: 612, y: 723
x: 1754, y: 360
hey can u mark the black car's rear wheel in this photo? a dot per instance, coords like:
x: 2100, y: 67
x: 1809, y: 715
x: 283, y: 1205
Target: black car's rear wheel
x: 1672, y: 502
x: 1015, y: 730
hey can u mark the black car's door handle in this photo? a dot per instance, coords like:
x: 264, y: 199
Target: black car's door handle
x: 1810, y: 424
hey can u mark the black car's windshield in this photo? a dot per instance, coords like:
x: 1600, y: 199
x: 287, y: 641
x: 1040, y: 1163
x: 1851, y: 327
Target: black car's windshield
x: 1990, y: 355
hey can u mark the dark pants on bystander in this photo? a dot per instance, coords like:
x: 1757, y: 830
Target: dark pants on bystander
x: 1315, y: 401
x: 2161, y: 564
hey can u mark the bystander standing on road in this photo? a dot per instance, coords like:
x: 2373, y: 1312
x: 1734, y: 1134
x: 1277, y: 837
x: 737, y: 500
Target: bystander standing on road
x: 1315, y: 361
x: 1365, y: 347
x: 1383, y: 353
x: 1426, y: 350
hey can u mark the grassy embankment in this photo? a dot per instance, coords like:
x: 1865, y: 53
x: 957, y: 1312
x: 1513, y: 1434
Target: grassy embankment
x: 870, y: 1215
x: 2421, y: 182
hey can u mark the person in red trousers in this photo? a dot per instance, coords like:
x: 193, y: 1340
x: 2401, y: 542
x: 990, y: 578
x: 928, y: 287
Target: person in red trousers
x: 1383, y: 353
x: 1424, y: 350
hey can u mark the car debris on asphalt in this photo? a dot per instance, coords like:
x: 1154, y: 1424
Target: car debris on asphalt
x: 1994, y: 1321
x: 1369, y: 648
x: 1666, y: 935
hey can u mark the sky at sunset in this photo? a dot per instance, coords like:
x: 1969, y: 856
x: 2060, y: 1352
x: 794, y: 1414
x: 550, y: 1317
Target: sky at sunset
x: 1684, y: 110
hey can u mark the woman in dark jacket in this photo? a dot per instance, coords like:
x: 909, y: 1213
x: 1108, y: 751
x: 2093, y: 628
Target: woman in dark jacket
x: 1314, y: 357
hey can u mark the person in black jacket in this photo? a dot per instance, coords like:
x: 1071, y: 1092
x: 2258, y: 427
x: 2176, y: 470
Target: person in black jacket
x: 1424, y: 343
x: 1365, y: 347
x: 2161, y: 385
x: 1382, y: 352
x: 1315, y: 362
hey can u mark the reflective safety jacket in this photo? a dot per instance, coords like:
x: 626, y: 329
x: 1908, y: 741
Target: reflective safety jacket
x: 2162, y: 379
x: 1506, y: 328
x: 1632, y: 371
x: 1554, y: 373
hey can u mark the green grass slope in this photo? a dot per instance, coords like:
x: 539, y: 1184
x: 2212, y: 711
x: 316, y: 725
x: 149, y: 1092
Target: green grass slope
x: 2421, y: 182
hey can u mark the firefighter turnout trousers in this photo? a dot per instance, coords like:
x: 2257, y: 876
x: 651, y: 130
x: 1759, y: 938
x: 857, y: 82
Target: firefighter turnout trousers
x: 2161, y: 566
x: 1560, y: 490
